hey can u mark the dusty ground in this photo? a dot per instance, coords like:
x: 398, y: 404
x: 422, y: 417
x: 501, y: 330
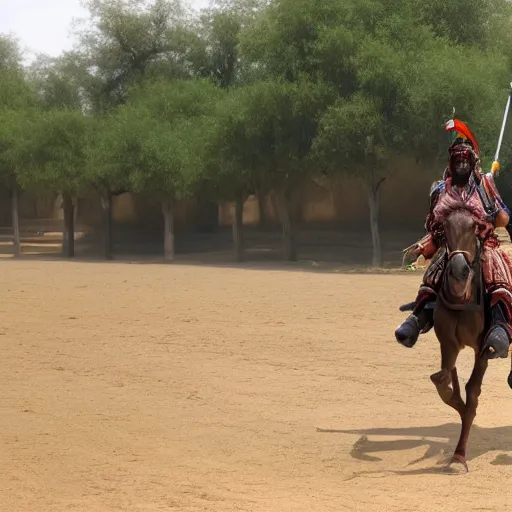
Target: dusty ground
x: 151, y: 387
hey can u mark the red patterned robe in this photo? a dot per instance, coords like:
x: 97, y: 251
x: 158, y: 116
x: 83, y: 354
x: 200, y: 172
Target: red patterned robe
x: 496, y: 264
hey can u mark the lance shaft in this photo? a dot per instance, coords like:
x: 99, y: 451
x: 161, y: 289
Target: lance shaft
x: 502, y: 133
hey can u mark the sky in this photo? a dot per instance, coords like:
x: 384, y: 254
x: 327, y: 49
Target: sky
x: 43, y: 26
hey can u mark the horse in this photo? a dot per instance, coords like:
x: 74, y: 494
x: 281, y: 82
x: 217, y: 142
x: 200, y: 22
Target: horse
x: 459, y: 321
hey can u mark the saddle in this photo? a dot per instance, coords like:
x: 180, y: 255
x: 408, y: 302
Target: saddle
x: 433, y: 277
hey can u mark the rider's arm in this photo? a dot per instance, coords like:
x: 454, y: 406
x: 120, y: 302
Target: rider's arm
x: 502, y: 214
x: 428, y: 245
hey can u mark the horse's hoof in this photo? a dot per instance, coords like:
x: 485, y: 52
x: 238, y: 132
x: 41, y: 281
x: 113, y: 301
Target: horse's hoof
x: 509, y: 380
x: 458, y: 465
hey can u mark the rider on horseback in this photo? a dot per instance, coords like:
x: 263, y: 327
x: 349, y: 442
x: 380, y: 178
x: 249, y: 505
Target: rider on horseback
x: 463, y: 176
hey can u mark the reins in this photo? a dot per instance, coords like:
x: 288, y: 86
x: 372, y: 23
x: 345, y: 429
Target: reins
x: 451, y: 254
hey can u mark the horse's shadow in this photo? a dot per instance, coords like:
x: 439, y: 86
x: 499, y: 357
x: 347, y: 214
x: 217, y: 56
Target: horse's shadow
x: 439, y: 442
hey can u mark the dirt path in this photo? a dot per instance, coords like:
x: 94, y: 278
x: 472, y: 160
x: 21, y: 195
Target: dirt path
x: 150, y: 387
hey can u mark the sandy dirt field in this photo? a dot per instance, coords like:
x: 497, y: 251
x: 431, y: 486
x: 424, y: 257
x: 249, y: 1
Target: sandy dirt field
x: 139, y: 387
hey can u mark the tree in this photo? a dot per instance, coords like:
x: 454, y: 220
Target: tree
x: 229, y: 171
x: 443, y: 82
x: 293, y: 39
x: 10, y: 53
x: 219, y: 33
x: 322, y: 44
x: 105, y: 170
x: 215, y: 54
x: 167, y: 168
x: 269, y: 140
x: 361, y: 132
x: 60, y: 83
x: 15, y: 93
x: 154, y: 143
x: 16, y: 102
x: 122, y: 42
x: 358, y: 124
x: 470, y: 24
x: 125, y: 44
x: 60, y: 133
x: 395, y: 69
x: 282, y: 124
x: 15, y: 130
x: 59, y: 148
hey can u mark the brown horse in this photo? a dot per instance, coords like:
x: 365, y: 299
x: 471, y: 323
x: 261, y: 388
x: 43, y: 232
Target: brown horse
x: 459, y: 322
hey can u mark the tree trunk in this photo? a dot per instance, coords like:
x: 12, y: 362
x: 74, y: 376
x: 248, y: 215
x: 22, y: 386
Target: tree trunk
x: 261, y: 207
x: 16, y: 240
x: 275, y: 205
x: 168, y: 230
x: 374, y: 205
x: 238, y: 229
x: 68, y: 239
x: 289, y: 244
x: 106, y: 205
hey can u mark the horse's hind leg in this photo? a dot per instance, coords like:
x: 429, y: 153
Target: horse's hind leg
x: 473, y: 390
x: 447, y: 380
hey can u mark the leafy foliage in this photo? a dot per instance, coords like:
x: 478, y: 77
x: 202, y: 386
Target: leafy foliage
x: 59, y: 147
x: 252, y: 94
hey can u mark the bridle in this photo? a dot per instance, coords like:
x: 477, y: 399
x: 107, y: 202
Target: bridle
x: 475, y: 269
x: 466, y: 254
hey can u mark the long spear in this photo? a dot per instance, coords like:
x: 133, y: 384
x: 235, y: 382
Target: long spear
x: 496, y: 165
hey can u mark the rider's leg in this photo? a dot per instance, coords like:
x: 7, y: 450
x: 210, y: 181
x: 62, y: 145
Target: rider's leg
x: 497, y: 269
x: 499, y: 335
x: 422, y: 319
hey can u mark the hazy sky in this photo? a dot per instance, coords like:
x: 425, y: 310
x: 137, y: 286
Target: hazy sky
x: 43, y: 26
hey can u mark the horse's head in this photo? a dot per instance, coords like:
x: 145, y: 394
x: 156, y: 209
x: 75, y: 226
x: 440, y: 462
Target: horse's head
x: 460, y: 229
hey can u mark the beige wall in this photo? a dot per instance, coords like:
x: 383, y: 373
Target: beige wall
x: 404, y: 203
x: 404, y: 200
x: 132, y: 209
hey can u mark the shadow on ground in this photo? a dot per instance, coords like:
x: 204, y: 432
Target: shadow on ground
x: 439, y: 442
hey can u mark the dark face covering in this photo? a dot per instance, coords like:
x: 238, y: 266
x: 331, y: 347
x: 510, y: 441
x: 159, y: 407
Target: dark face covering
x: 462, y: 163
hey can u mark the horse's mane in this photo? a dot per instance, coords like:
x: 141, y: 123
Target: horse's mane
x: 453, y: 201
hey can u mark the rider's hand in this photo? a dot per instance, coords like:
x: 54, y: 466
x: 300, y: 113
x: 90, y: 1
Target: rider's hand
x: 411, y: 256
x: 495, y: 167
x: 501, y: 219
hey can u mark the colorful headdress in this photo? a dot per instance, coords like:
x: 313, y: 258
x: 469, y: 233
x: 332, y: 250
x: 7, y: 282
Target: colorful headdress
x: 461, y: 131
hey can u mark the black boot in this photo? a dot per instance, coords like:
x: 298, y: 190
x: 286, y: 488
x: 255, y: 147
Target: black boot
x: 408, y: 332
x: 420, y: 322
x: 498, y: 338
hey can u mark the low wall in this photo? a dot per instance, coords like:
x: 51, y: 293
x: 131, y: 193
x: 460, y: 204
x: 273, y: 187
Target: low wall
x: 404, y: 203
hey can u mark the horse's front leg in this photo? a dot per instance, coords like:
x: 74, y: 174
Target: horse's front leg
x: 473, y: 390
x: 447, y: 380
